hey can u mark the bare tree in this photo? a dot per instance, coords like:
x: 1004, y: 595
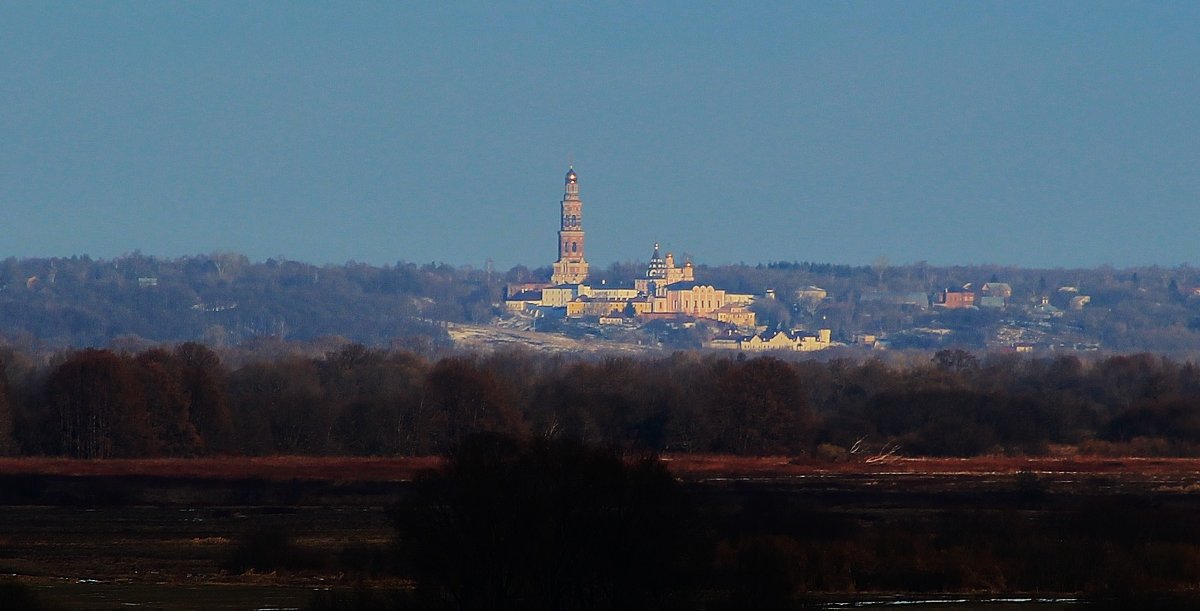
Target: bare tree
x: 880, y: 265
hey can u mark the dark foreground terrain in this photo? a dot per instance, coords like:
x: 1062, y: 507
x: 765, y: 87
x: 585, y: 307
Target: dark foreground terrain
x: 1065, y: 534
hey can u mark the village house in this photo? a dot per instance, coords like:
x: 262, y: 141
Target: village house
x: 996, y: 289
x: 916, y: 299
x: 952, y: 299
x: 811, y: 293
x: 994, y: 295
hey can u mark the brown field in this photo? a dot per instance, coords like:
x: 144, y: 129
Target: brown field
x: 685, y: 466
x: 701, y: 466
x: 271, y: 468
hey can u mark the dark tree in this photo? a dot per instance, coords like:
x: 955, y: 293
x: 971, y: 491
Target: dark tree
x: 7, y: 440
x: 98, y: 401
x: 956, y: 361
x: 760, y: 407
x: 167, y: 403
x: 279, y: 408
x: 548, y: 525
x: 203, y: 380
x: 470, y: 399
x: 1174, y: 419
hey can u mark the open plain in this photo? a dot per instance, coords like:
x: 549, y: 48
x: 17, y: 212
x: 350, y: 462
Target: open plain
x: 240, y: 533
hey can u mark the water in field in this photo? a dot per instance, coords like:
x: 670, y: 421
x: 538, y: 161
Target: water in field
x: 1011, y: 603
x: 86, y: 594
x: 1155, y: 602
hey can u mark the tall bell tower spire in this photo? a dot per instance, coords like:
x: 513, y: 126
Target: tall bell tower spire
x: 571, y: 267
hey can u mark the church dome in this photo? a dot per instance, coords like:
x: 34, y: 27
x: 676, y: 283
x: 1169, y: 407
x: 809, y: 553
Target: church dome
x: 571, y: 175
x: 657, y: 267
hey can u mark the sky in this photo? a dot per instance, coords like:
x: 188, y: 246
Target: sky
x: 1039, y: 134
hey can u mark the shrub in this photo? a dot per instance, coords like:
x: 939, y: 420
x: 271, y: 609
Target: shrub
x: 14, y: 595
x: 268, y: 550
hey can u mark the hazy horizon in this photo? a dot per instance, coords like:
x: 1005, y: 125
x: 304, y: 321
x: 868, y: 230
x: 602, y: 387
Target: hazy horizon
x: 601, y: 266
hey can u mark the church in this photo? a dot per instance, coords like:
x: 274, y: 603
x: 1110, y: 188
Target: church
x: 667, y: 291
x: 571, y: 267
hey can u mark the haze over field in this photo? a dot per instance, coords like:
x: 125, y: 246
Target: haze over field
x: 1023, y: 133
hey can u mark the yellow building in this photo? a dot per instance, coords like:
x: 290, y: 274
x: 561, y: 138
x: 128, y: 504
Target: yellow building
x: 780, y: 340
x: 584, y: 307
x: 517, y: 306
x: 739, y: 298
x: 610, y: 293
x: 694, y: 299
x: 763, y: 342
x: 866, y: 339
x: 808, y: 343
x: 559, y: 296
x: 734, y: 314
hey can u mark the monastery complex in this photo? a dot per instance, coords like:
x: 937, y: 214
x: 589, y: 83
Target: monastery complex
x: 667, y: 291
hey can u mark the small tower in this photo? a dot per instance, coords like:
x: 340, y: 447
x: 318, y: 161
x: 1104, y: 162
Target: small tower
x: 571, y: 267
x: 657, y: 267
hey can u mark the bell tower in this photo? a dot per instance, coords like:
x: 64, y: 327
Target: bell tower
x: 571, y: 267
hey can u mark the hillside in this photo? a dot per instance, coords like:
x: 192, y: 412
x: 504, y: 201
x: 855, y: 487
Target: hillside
x: 224, y: 299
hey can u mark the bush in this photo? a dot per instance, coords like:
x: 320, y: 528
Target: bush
x: 545, y: 524
x: 832, y: 453
x: 14, y: 595
x: 268, y: 550
x: 366, y: 599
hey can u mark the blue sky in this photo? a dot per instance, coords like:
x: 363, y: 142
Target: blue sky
x: 1026, y: 133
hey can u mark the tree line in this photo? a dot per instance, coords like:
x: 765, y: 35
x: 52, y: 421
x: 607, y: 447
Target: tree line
x: 226, y: 299
x: 185, y: 400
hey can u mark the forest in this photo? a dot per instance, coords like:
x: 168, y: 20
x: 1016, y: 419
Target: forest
x: 188, y: 400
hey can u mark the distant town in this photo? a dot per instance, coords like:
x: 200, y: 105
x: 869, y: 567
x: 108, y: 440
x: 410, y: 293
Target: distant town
x: 666, y: 303
x: 667, y: 292
x: 670, y: 294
